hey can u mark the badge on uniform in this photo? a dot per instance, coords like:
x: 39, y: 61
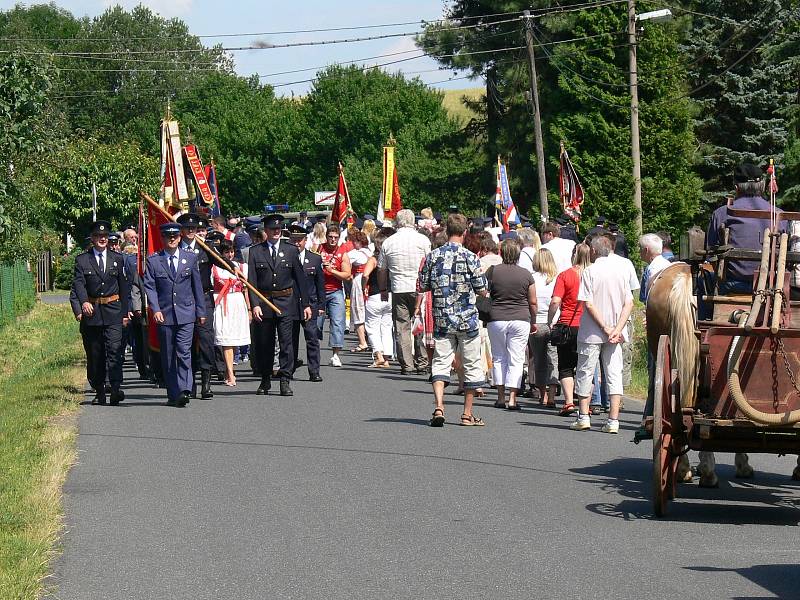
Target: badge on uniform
x: 280, y: 254
x: 183, y: 261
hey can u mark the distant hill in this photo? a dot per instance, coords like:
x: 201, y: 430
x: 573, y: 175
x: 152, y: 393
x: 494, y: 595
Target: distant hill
x: 453, y: 105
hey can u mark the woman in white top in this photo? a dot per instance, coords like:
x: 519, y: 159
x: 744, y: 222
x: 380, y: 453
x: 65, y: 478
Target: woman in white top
x: 317, y: 237
x: 231, y: 310
x: 543, y: 368
x: 358, y: 256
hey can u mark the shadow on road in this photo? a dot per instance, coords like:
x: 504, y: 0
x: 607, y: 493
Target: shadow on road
x: 783, y: 580
x: 770, y: 499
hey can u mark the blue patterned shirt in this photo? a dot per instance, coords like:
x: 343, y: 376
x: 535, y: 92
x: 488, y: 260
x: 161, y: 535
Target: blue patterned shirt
x: 453, y: 276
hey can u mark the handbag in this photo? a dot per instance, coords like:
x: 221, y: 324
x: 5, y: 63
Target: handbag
x: 561, y: 334
x: 484, y: 303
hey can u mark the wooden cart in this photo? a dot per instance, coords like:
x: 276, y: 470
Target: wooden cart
x: 748, y: 397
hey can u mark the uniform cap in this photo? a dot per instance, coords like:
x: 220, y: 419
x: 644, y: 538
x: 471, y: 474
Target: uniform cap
x: 169, y: 228
x: 369, y: 217
x: 191, y: 220
x: 273, y: 221
x: 101, y: 227
x: 747, y: 172
x: 296, y: 230
x: 114, y: 236
x: 508, y: 235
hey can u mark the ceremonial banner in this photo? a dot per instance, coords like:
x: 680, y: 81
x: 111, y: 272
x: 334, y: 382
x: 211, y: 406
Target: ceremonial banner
x: 341, y: 206
x: 391, y: 190
x: 174, y: 190
x: 211, y: 177
x: 504, y: 205
x: 154, y: 221
x: 570, y: 188
x: 198, y: 174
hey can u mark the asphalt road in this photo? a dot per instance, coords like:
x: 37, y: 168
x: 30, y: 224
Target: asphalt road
x: 343, y: 491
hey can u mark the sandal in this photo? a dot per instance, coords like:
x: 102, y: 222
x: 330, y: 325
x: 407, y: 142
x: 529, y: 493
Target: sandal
x: 567, y: 410
x: 437, y: 420
x: 378, y: 365
x: 479, y: 393
x: 359, y: 349
x: 471, y: 421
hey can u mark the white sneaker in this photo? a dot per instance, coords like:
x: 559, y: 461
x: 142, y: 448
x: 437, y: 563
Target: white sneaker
x: 582, y: 423
x: 335, y: 361
x: 611, y: 427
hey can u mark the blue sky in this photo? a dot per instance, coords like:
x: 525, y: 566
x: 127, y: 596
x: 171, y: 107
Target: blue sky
x: 211, y: 17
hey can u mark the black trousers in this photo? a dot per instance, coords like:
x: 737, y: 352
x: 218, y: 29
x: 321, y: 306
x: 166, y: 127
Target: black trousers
x: 267, y: 331
x: 135, y: 336
x: 104, y: 355
x: 203, y: 357
x: 311, y: 333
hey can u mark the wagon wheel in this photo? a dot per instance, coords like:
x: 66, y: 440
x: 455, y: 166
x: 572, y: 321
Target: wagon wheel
x: 665, y: 460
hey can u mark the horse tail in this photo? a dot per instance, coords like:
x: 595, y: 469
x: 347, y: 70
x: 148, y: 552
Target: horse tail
x: 685, y: 348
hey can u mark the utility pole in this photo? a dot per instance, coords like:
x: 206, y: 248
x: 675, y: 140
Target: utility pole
x: 537, y: 122
x: 634, y: 85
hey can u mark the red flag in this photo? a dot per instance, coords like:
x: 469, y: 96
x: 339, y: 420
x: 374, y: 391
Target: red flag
x: 397, y: 204
x: 341, y: 206
x: 570, y: 187
x: 155, y: 218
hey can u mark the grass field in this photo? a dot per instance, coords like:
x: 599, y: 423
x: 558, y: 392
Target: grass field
x: 453, y: 104
x: 41, y: 385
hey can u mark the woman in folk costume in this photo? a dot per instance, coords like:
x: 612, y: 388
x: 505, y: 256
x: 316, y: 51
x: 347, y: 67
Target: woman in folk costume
x: 231, y: 310
x: 358, y: 256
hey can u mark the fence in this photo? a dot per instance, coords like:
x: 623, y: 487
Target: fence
x: 17, y: 290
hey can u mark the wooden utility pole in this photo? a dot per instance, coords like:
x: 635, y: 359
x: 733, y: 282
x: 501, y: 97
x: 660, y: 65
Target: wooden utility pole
x: 634, y: 90
x: 537, y: 121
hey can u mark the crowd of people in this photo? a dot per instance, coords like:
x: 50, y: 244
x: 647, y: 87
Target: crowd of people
x: 537, y: 314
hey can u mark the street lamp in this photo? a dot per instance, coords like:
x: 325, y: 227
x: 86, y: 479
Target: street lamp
x: 656, y: 16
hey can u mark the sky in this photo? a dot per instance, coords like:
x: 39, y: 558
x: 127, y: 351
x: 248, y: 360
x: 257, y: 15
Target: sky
x: 214, y: 17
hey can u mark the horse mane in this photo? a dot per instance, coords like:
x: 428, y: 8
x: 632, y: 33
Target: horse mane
x: 685, y: 347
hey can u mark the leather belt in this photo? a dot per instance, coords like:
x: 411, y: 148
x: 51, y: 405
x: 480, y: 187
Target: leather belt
x: 278, y: 293
x: 104, y: 299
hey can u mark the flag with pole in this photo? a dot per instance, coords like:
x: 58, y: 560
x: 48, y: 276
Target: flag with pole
x: 342, y: 208
x: 391, y: 203
x: 773, y: 190
x: 570, y: 188
x: 211, y: 177
x: 505, y: 210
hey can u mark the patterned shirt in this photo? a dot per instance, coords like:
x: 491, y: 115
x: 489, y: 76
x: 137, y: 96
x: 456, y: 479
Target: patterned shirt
x: 453, y: 276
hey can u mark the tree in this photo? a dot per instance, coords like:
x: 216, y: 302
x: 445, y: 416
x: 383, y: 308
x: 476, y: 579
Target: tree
x: 741, y: 94
x: 119, y: 171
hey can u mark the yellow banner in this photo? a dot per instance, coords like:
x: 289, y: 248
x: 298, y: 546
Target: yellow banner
x: 388, y: 177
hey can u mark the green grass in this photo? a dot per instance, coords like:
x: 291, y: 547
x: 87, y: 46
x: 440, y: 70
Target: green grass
x: 41, y: 379
x: 453, y: 104
x: 638, y: 385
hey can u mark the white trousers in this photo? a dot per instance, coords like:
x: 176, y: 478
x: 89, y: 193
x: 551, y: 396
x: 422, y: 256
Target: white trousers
x: 378, y: 324
x: 509, y: 339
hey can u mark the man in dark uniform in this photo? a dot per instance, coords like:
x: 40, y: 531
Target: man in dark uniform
x: 274, y: 268
x: 175, y: 295
x: 315, y: 280
x: 100, y: 293
x: 620, y: 244
x: 203, y: 358
x: 599, y: 227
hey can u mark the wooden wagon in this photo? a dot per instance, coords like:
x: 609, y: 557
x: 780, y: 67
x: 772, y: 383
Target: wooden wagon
x: 748, y: 388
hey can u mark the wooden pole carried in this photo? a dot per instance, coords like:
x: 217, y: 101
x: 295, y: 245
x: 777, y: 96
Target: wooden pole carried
x: 214, y: 256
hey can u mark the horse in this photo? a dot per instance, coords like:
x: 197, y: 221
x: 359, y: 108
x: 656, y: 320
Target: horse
x: 672, y: 311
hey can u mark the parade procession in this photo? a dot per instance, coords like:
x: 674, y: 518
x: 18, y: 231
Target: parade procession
x: 290, y: 311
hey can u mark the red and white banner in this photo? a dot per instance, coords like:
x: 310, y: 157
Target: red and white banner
x: 570, y: 188
x: 198, y: 174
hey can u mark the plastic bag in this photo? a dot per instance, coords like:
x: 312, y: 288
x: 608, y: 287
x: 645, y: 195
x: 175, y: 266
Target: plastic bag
x: 417, y: 328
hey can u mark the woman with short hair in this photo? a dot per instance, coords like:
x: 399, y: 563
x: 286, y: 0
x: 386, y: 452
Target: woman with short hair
x: 358, y: 256
x: 513, y: 308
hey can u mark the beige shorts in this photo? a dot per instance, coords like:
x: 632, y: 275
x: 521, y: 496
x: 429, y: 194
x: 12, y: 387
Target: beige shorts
x: 444, y: 351
x: 611, y: 357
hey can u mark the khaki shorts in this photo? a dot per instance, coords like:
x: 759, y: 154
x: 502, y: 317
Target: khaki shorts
x: 611, y: 357
x: 444, y: 351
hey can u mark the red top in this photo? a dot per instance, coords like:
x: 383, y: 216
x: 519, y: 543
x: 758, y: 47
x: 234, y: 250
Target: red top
x: 567, y: 284
x: 332, y: 284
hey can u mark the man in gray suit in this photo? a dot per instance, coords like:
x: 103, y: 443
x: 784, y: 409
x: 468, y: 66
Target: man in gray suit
x: 175, y: 295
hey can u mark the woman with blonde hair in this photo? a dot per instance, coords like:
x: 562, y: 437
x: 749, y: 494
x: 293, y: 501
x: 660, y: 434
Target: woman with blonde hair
x: 565, y: 298
x: 368, y: 229
x: 543, y: 366
x: 317, y: 237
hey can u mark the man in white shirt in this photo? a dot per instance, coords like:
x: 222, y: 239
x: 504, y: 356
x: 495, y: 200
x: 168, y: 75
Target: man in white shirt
x: 399, y: 263
x: 560, y: 248
x: 605, y: 290
x: 527, y: 238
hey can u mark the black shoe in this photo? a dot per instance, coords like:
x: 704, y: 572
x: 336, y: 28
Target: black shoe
x: 314, y: 377
x: 205, y: 382
x: 298, y: 363
x: 172, y: 403
x: 100, y: 398
x: 183, y: 399
x: 117, y: 397
x: 263, y: 389
x: 285, y: 389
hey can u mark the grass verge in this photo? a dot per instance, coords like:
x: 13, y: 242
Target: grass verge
x: 41, y: 386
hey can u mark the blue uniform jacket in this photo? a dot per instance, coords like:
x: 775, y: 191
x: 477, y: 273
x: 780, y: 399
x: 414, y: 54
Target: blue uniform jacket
x: 180, y: 298
x: 312, y: 265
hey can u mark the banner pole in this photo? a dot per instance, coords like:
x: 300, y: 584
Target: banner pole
x: 216, y: 257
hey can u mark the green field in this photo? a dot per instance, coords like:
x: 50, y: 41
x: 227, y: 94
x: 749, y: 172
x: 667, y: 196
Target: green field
x: 453, y: 104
